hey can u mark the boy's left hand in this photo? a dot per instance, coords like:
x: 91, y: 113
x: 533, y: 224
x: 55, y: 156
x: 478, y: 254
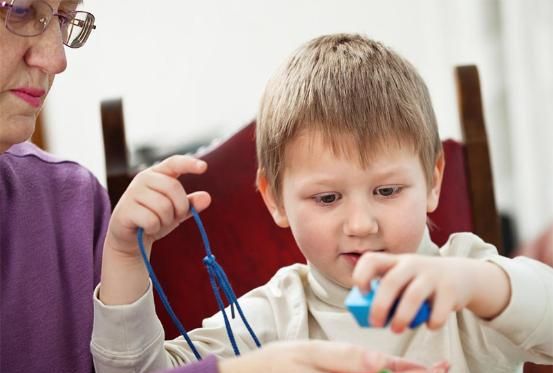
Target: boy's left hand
x: 156, y: 201
x: 450, y: 284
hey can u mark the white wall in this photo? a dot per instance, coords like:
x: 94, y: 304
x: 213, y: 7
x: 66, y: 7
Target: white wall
x: 193, y: 69
x: 529, y: 76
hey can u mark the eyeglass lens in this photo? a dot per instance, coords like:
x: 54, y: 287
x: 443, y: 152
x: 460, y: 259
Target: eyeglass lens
x: 32, y: 17
x: 28, y: 18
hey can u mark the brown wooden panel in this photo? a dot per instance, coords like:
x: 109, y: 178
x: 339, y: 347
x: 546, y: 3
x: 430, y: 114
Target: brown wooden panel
x: 534, y: 368
x: 118, y: 171
x: 484, y: 211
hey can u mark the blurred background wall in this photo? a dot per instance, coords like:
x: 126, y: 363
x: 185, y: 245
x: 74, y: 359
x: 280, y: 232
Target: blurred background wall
x: 189, y: 72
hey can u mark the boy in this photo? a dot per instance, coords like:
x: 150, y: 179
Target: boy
x: 350, y: 159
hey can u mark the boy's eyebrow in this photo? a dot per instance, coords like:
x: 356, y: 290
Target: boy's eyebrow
x: 399, y: 171
x: 390, y: 171
x: 387, y: 172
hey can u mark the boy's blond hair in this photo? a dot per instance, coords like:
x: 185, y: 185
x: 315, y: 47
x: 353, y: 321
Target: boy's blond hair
x: 346, y: 84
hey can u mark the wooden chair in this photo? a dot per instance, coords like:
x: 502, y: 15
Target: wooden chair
x: 243, y: 236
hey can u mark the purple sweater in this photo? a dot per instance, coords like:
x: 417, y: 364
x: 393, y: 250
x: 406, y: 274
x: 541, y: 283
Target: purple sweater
x: 53, y: 218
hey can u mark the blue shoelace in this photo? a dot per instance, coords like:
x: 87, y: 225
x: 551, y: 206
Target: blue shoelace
x: 219, y: 281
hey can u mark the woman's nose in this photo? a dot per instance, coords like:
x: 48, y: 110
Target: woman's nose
x: 360, y: 221
x: 47, y: 51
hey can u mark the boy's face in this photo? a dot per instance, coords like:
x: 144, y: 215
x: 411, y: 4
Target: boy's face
x: 338, y: 210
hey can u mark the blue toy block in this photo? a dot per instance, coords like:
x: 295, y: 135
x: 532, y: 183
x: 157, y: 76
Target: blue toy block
x: 360, y: 307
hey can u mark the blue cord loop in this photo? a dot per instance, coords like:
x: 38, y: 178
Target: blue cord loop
x: 219, y: 281
x: 162, y: 296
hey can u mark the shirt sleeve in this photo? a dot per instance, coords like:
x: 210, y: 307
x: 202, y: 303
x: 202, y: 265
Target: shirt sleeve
x: 128, y: 337
x: 524, y: 330
x: 528, y: 318
x: 132, y: 337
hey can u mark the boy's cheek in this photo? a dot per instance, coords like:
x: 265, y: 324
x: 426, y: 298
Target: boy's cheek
x: 311, y: 235
x: 404, y: 237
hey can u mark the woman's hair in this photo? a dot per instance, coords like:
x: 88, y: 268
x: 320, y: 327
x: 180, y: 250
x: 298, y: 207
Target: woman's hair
x: 346, y: 87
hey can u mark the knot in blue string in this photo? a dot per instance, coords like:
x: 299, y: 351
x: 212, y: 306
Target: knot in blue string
x: 218, y: 280
x: 209, y: 260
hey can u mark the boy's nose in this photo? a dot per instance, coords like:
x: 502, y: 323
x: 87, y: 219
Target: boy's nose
x: 360, y: 222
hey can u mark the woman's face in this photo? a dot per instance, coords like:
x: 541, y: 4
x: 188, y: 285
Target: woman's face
x: 28, y: 66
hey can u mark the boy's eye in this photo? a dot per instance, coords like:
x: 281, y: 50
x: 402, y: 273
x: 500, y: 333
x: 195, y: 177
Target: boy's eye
x: 327, y: 198
x: 388, y: 191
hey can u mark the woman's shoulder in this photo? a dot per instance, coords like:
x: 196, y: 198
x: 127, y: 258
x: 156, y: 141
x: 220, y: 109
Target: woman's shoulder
x: 28, y: 153
x: 29, y: 171
x: 28, y: 149
x: 26, y: 160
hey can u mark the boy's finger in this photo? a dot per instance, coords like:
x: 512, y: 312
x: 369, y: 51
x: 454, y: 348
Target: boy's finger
x: 144, y: 217
x: 158, y: 204
x: 200, y: 200
x: 177, y: 165
x: 172, y: 189
x: 371, y: 265
x: 391, y: 285
x: 414, y: 295
x: 442, y: 305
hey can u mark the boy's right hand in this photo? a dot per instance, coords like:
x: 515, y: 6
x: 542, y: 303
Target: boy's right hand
x: 157, y: 202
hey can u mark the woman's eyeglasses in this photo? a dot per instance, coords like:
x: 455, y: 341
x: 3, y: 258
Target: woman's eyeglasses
x: 32, y: 17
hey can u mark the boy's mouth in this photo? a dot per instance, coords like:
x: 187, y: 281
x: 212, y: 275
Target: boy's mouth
x: 353, y: 257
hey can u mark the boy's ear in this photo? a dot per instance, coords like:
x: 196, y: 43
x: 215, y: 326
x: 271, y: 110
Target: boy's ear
x: 437, y: 177
x: 274, y: 207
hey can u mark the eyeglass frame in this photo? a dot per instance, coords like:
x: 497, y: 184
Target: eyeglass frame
x: 10, y: 4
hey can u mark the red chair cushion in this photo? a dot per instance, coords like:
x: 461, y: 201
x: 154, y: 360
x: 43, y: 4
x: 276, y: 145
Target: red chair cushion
x: 454, y: 212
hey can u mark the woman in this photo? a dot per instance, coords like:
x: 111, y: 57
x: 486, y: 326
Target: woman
x: 54, y: 214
